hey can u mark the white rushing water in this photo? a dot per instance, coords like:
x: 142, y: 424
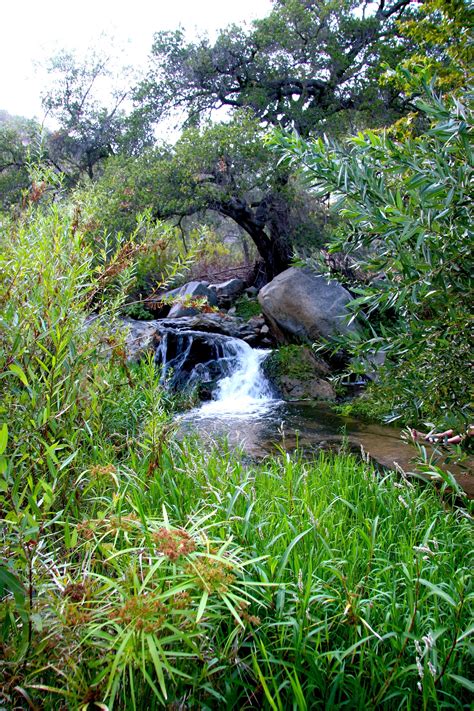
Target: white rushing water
x: 246, y: 391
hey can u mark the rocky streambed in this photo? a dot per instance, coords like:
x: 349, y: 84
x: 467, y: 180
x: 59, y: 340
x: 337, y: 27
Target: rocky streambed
x: 262, y: 398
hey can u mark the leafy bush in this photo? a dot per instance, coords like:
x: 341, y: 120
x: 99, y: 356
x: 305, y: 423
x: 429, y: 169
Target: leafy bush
x: 408, y: 211
x: 55, y: 361
x: 44, y: 357
x: 137, y: 310
x: 19, y: 139
x: 154, y: 247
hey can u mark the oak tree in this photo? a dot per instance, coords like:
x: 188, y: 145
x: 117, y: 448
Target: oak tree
x: 301, y: 66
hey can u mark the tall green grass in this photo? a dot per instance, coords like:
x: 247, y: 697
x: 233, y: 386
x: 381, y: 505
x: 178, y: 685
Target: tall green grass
x: 292, y: 584
x: 137, y: 571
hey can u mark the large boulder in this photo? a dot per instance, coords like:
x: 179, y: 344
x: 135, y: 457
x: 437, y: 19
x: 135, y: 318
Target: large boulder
x: 297, y: 374
x: 140, y: 337
x: 317, y: 389
x: 303, y: 306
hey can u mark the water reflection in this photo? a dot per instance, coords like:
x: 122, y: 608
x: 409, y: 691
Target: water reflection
x: 271, y: 426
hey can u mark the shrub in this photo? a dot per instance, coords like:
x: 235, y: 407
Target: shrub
x: 408, y: 210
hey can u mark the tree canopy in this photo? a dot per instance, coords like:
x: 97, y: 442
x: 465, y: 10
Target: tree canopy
x: 309, y: 65
x: 88, y: 101
x: 442, y: 33
x: 223, y: 167
x: 303, y: 64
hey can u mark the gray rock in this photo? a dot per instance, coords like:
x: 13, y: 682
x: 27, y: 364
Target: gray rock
x: 372, y: 364
x: 228, y: 291
x: 230, y: 288
x: 256, y: 322
x: 299, y: 375
x: 141, y: 336
x: 251, y: 291
x: 211, y: 323
x: 303, y: 306
x: 193, y: 289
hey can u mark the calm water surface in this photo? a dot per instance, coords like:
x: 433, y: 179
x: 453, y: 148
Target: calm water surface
x: 266, y: 426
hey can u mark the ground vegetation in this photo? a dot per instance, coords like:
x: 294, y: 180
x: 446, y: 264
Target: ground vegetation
x: 137, y: 569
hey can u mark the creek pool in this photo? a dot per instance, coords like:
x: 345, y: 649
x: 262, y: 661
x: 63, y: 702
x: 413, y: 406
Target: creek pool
x: 272, y: 425
x: 246, y: 412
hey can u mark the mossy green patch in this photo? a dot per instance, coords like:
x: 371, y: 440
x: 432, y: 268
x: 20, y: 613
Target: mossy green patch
x: 293, y: 361
x: 247, y: 307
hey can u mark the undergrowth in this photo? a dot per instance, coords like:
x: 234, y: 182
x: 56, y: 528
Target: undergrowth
x: 374, y: 404
x: 142, y: 572
x: 247, y: 307
x: 190, y: 579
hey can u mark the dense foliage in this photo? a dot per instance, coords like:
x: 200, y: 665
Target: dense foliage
x: 140, y: 568
x: 302, y: 66
x: 442, y: 33
x: 408, y: 216
x: 224, y: 168
x: 20, y: 142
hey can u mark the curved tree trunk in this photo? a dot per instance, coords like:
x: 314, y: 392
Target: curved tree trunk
x: 268, y: 226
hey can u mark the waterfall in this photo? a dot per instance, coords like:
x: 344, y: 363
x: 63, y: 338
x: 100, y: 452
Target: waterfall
x: 171, y: 365
x: 246, y: 390
x: 229, y: 365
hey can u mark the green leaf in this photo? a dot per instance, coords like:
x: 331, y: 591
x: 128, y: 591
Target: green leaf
x: 469, y: 685
x: 11, y: 583
x: 16, y: 370
x: 202, y: 605
x: 157, y: 664
x: 3, y: 438
x: 438, y: 591
x: 287, y: 552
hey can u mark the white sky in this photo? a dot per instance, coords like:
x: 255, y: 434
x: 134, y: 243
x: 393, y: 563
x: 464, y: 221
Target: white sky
x: 33, y: 30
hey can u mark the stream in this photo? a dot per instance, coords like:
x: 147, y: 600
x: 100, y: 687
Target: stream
x: 248, y: 414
